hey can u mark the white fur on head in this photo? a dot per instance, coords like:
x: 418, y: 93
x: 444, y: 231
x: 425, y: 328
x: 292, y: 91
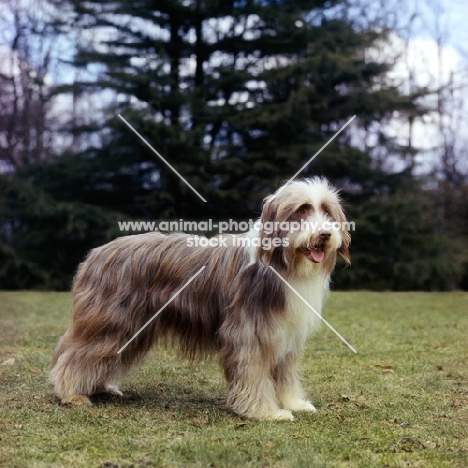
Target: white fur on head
x: 308, y: 202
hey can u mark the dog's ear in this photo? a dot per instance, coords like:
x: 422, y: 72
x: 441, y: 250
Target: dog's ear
x: 268, y: 252
x: 338, y: 215
x: 269, y: 210
x: 344, y: 249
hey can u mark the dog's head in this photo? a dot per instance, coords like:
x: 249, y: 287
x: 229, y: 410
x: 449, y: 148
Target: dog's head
x: 306, y: 227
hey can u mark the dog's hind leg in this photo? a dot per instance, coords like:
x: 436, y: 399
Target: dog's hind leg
x: 79, y: 372
x: 288, y: 388
x: 72, y: 382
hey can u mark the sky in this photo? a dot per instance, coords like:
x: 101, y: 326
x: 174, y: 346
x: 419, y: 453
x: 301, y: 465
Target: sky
x: 444, y: 18
x: 443, y: 21
x: 457, y: 15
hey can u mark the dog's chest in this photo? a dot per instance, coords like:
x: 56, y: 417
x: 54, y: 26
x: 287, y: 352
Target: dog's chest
x: 307, y: 295
x: 299, y: 319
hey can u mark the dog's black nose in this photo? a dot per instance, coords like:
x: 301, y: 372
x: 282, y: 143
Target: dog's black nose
x: 324, y: 235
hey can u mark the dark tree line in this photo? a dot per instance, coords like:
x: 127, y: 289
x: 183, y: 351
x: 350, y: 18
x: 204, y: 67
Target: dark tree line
x: 237, y: 95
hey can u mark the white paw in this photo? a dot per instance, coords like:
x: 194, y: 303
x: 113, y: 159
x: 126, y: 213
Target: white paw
x: 113, y: 389
x: 282, y: 415
x: 301, y: 405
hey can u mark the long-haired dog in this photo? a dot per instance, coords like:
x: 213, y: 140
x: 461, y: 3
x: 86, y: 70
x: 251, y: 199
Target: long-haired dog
x: 238, y: 307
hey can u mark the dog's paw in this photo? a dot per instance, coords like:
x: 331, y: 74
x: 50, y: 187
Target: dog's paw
x: 301, y: 405
x: 113, y: 389
x: 272, y: 415
x: 76, y: 400
x: 281, y: 415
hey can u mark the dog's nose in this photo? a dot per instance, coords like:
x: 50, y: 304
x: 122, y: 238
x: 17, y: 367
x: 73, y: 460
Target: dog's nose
x: 324, y: 235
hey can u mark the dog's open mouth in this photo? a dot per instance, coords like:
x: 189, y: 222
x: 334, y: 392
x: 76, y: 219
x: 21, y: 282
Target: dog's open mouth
x: 315, y: 255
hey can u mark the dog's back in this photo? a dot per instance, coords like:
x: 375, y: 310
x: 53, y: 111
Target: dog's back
x: 120, y: 287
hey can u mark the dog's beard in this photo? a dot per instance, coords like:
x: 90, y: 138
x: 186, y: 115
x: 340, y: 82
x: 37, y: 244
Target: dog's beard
x: 314, y: 248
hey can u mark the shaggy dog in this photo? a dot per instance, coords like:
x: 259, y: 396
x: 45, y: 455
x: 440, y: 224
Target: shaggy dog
x: 237, y: 307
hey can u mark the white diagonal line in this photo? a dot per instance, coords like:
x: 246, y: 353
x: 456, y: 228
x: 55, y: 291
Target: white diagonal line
x: 162, y: 159
x: 161, y: 309
x: 313, y: 310
x: 315, y: 155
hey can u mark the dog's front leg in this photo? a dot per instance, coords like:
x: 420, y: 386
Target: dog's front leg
x: 288, y: 388
x: 251, y: 388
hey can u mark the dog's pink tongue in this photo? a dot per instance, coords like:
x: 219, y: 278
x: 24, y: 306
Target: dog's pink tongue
x: 315, y: 255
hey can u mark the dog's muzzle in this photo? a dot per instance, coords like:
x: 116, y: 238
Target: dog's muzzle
x: 317, y: 253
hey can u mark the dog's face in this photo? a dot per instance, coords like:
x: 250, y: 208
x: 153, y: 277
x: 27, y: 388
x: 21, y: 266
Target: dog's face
x: 309, y: 215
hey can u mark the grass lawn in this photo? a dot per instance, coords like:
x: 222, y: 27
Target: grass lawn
x: 402, y: 401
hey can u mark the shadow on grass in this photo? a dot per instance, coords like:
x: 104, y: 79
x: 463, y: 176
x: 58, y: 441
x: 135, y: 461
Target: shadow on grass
x: 176, y: 398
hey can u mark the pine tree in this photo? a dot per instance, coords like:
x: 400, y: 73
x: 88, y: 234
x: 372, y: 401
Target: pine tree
x: 237, y: 95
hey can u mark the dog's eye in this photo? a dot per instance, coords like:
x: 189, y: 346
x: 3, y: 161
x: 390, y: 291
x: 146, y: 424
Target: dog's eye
x: 325, y: 210
x: 302, y: 211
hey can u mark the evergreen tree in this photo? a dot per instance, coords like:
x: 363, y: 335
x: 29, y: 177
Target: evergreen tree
x: 42, y: 241
x: 237, y: 95
x: 400, y: 244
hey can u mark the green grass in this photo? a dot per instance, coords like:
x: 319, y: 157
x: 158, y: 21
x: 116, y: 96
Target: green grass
x: 402, y: 401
